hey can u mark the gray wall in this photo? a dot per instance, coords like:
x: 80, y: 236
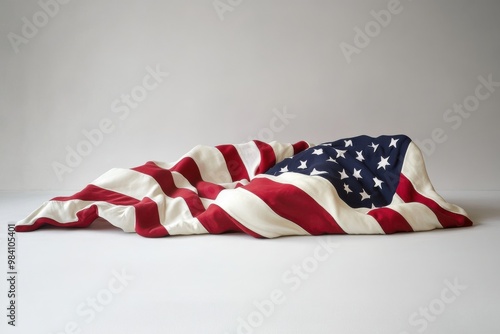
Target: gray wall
x: 69, y: 68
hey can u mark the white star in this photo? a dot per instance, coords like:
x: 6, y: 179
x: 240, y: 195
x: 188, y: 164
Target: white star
x: 343, y: 174
x: 332, y: 160
x: 348, y: 142
x: 340, y: 153
x: 360, y: 156
x: 318, y: 151
x: 346, y: 188
x: 364, y: 195
x: 393, y: 142
x: 326, y: 144
x: 317, y: 172
x: 383, y: 162
x: 378, y: 183
x: 284, y: 169
x: 373, y: 206
x: 303, y: 164
x: 374, y: 146
x: 357, y: 174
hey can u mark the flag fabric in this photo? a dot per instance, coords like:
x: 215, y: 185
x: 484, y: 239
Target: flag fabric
x: 359, y: 185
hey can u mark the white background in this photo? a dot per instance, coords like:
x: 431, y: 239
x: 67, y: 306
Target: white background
x: 228, y: 72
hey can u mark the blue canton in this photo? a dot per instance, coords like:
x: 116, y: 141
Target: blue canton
x: 364, y: 170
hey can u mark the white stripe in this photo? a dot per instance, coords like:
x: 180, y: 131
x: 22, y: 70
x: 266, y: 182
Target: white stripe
x: 121, y: 216
x: 250, y: 155
x: 396, y: 199
x: 232, y: 185
x: 211, y: 164
x: 183, y: 227
x: 206, y: 202
x: 128, y: 182
x: 324, y: 193
x: 362, y: 210
x: 60, y: 211
x: 253, y: 213
x: 414, y: 169
x: 281, y: 151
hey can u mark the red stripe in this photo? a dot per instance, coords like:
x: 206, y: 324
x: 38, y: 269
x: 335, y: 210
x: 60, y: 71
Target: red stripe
x: 147, y: 219
x: 408, y: 193
x: 267, y: 157
x: 217, y: 221
x: 390, y: 220
x: 208, y: 190
x: 165, y: 180
x: 84, y: 219
x: 189, y: 169
x: 234, y: 164
x: 94, y: 193
x: 294, y: 204
x: 299, y: 147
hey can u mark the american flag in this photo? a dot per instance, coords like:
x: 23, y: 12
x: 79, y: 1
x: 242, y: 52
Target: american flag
x: 359, y: 185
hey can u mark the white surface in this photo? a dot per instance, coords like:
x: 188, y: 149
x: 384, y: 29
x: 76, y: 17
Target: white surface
x: 227, y: 77
x: 202, y: 284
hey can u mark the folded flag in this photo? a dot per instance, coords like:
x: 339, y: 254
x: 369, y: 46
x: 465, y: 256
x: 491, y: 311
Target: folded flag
x: 359, y: 185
